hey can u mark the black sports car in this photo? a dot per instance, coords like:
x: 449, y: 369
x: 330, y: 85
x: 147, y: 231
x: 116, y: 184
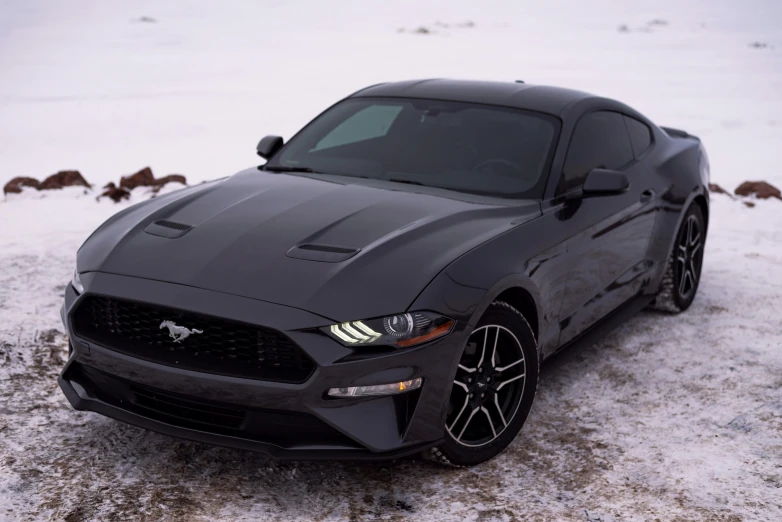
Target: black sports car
x: 389, y: 282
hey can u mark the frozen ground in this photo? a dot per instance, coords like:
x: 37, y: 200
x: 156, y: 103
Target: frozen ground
x: 669, y: 418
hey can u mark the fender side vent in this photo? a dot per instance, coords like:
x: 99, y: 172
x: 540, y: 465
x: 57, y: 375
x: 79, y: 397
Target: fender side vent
x: 169, y: 229
x: 323, y: 253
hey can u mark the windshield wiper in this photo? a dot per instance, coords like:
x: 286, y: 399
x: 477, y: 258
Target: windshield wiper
x: 282, y: 168
x: 408, y: 181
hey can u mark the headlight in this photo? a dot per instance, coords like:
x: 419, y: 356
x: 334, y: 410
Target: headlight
x: 76, y: 282
x: 401, y: 330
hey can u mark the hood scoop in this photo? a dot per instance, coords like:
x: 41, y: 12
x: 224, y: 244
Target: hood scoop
x: 168, y: 229
x: 323, y: 253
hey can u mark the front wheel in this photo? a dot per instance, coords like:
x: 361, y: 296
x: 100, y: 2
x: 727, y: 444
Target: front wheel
x: 492, y: 391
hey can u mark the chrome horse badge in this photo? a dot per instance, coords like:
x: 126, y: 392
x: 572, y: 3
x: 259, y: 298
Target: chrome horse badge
x: 178, y: 333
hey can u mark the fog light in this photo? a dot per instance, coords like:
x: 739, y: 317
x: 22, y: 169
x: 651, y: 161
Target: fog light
x: 378, y: 389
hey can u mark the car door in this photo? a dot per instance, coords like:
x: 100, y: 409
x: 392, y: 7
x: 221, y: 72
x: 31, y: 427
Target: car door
x: 610, y: 234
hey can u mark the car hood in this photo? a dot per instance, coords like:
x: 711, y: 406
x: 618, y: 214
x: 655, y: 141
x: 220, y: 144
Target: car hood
x: 369, y: 247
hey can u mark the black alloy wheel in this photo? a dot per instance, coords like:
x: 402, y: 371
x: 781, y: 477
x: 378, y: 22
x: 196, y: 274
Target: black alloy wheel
x: 492, y: 390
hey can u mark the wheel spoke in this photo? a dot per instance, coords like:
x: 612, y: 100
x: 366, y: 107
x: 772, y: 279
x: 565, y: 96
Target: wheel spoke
x: 499, y: 410
x: 468, y: 370
x: 696, y: 235
x: 494, y: 350
x: 683, y: 281
x: 462, y: 386
x: 690, y: 229
x: 693, y: 271
x: 483, y: 349
x: 695, y: 248
x: 503, y: 383
x: 491, y: 422
x: 461, y: 433
x: 511, y: 365
x: 459, y: 416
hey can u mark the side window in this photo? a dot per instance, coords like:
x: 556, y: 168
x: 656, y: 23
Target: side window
x: 640, y: 135
x: 371, y: 122
x: 600, y: 140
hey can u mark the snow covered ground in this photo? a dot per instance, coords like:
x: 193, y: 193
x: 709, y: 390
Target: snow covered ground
x: 669, y: 418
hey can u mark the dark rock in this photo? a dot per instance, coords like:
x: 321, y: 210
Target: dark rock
x: 64, y: 178
x: 760, y: 189
x: 713, y: 187
x: 109, y: 185
x: 172, y: 178
x: 142, y: 178
x: 749, y: 204
x: 145, y: 178
x: 15, y: 185
x: 116, y: 194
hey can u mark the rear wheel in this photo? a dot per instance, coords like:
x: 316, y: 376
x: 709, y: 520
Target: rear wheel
x: 680, y: 283
x: 493, y: 389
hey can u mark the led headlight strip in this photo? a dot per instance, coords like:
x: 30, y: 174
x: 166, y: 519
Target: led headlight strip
x: 401, y: 330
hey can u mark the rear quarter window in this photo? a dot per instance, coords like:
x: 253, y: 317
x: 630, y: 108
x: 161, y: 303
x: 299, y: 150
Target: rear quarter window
x: 640, y: 135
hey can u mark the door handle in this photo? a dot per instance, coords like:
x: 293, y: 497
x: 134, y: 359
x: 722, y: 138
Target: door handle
x: 647, y: 194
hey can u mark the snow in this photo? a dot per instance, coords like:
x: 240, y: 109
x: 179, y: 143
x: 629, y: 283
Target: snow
x: 669, y: 417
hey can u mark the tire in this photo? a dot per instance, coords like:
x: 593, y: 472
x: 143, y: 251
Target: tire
x: 503, y: 387
x: 683, y: 274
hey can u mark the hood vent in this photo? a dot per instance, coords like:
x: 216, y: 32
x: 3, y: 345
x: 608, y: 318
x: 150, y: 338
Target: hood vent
x: 169, y: 229
x: 323, y: 253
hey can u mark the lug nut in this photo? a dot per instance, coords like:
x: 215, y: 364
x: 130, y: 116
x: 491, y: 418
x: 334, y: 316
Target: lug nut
x: 483, y: 395
x: 469, y: 380
x: 472, y: 395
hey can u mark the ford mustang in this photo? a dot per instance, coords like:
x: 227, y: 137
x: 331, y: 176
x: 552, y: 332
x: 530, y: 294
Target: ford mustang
x: 389, y: 281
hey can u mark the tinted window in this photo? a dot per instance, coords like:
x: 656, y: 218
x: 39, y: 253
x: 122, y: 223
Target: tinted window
x: 370, y: 122
x: 452, y: 145
x: 600, y: 140
x: 640, y: 135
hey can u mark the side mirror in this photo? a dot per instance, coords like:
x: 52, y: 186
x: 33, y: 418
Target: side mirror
x: 604, y: 182
x: 268, y: 146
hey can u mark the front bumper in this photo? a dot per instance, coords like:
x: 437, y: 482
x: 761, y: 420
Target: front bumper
x: 283, y: 420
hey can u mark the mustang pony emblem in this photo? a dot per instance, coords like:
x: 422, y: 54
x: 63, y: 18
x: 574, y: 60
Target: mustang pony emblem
x: 178, y: 333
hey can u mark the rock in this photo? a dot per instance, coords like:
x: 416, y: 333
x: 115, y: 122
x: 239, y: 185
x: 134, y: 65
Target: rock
x: 15, y: 185
x: 145, y: 178
x: 172, y: 178
x: 142, y: 178
x: 749, y: 204
x: 760, y: 189
x: 713, y: 187
x: 64, y: 178
x: 116, y: 194
x: 109, y: 185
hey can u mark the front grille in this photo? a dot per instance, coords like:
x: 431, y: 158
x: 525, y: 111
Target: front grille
x: 214, y: 345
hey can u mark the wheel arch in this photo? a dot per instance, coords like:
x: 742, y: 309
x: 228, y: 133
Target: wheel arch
x: 701, y: 201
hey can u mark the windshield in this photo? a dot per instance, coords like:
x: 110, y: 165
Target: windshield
x: 464, y: 147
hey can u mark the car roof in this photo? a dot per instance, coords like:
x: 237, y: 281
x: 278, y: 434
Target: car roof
x: 552, y: 100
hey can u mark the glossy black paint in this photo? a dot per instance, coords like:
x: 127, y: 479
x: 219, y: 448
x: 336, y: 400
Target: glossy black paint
x: 567, y: 262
